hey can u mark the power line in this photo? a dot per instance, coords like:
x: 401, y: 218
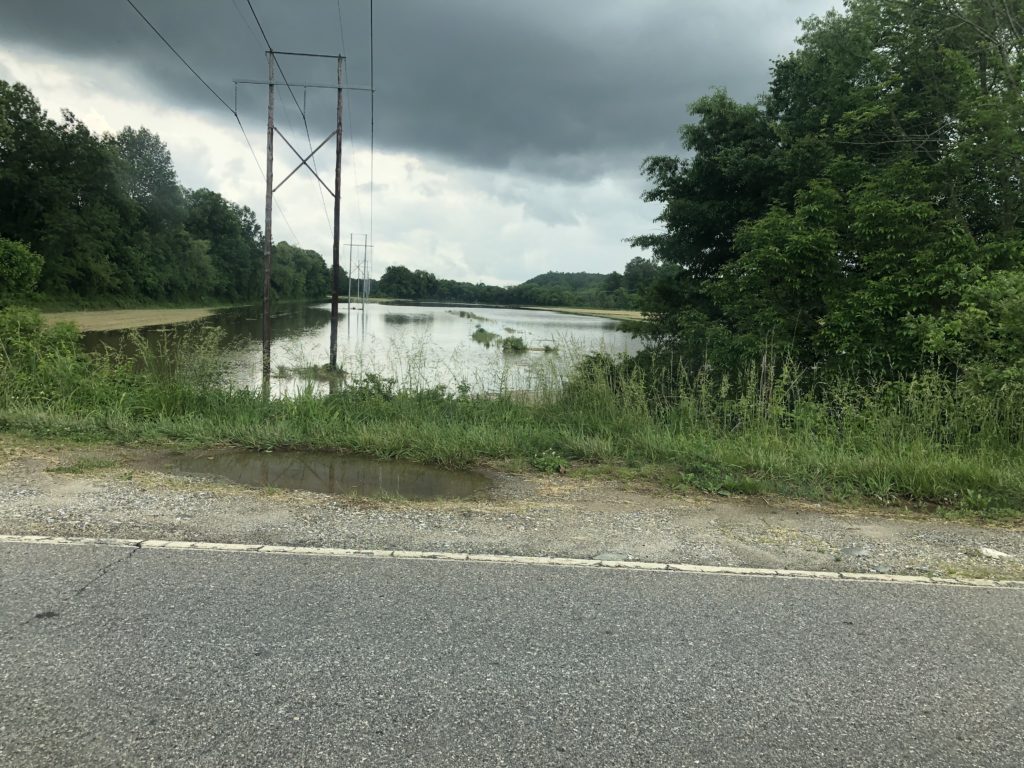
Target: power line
x: 227, y: 106
x: 350, y: 114
x: 182, y: 58
x: 373, y: 93
x: 245, y: 20
x: 302, y: 112
x: 341, y: 29
x: 259, y: 25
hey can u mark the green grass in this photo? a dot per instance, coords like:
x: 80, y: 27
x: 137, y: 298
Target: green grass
x: 313, y: 373
x: 513, y: 344
x: 926, y: 440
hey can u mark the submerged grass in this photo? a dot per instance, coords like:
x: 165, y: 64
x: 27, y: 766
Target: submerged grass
x: 923, y: 440
x: 482, y: 336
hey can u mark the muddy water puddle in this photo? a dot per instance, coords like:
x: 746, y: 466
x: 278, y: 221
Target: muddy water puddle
x: 329, y: 473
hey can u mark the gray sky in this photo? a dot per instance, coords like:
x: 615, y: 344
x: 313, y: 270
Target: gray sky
x: 508, y: 135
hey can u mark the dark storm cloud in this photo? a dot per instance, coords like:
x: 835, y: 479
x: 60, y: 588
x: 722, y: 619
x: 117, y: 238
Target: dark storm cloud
x: 570, y: 89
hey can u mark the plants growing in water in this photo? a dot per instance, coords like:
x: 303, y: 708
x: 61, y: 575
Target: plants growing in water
x: 483, y: 336
x: 513, y: 344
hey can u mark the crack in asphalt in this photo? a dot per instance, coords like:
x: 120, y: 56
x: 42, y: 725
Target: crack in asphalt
x: 62, y: 603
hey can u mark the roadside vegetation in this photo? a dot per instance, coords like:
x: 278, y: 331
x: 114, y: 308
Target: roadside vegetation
x: 922, y: 439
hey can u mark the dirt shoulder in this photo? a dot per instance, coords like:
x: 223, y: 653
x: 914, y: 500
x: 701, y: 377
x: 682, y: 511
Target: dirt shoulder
x: 120, y: 319
x: 109, y: 492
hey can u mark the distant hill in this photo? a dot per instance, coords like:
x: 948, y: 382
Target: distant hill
x: 552, y: 289
x: 568, y: 281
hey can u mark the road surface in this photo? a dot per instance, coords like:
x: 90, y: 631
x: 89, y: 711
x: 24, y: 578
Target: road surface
x: 117, y: 656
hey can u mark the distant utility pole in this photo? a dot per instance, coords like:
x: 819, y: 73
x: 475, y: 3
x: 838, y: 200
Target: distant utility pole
x: 366, y: 274
x: 361, y: 269
x: 336, y: 134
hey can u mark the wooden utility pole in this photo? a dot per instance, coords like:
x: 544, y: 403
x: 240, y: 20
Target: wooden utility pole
x: 267, y: 228
x: 336, y: 266
x: 350, y: 275
x: 366, y: 275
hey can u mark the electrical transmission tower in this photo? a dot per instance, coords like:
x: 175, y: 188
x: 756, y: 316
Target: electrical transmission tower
x: 361, y: 268
x: 336, y: 134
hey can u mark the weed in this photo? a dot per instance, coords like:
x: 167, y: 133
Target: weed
x: 550, y: 461
x: 483, y: 336
x: 513, y: 344
x: 470, y: 316
x: 82, y: 466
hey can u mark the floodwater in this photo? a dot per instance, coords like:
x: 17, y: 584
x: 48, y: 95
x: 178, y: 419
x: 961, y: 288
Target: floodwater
x: 331, y: 473
x: 416, y: 347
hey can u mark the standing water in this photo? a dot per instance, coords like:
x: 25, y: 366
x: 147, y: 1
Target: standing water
x: 332, y: 473
x: 417, y: 347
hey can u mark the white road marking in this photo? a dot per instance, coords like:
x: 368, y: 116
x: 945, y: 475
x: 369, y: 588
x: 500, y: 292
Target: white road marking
x: 570, y: 562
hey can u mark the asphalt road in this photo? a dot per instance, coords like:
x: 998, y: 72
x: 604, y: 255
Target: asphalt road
x: 137, y: 657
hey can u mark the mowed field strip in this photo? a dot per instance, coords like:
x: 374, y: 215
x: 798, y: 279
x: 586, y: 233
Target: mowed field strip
x: 118, y: 319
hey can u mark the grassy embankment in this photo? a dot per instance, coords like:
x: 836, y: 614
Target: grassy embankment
x: 923, y: 441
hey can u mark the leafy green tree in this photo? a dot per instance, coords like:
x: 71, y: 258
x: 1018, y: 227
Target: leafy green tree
x: 19, y: 269
x: 639, y: 274
x: 399, y: 282
x: 613, y: 282
x: 860, y: 201
x: 234, y: 240
x: 85, y: 220
x: 298, y: 273
x: 983, y: 336
x: 146, y: 175
x: 58, y: 196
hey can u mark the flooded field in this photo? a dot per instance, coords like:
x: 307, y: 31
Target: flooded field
x: 473, y: 349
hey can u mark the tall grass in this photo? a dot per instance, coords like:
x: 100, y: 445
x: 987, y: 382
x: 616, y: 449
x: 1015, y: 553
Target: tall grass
x: 770, y: 428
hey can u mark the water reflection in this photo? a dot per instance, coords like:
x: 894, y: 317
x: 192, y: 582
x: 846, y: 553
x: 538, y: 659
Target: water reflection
x: 416, y: 346
x: 239, y: 324
x: 331, y: 473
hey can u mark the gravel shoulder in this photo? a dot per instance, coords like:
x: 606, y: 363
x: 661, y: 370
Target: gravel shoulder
x: 108, y: 491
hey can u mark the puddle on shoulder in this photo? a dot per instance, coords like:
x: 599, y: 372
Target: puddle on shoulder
x: 333, y: 473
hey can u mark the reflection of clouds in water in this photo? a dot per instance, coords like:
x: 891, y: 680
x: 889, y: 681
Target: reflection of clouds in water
x: 419, y: 347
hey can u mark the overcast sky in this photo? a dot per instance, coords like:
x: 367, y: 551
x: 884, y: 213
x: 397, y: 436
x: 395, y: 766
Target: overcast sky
x: 508, y: 136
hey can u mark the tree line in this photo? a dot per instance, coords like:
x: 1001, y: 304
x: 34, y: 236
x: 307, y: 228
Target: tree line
x: 551, y: 289
x: 110, y: 223
x: 103, y: 219
x: 865, y: 214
